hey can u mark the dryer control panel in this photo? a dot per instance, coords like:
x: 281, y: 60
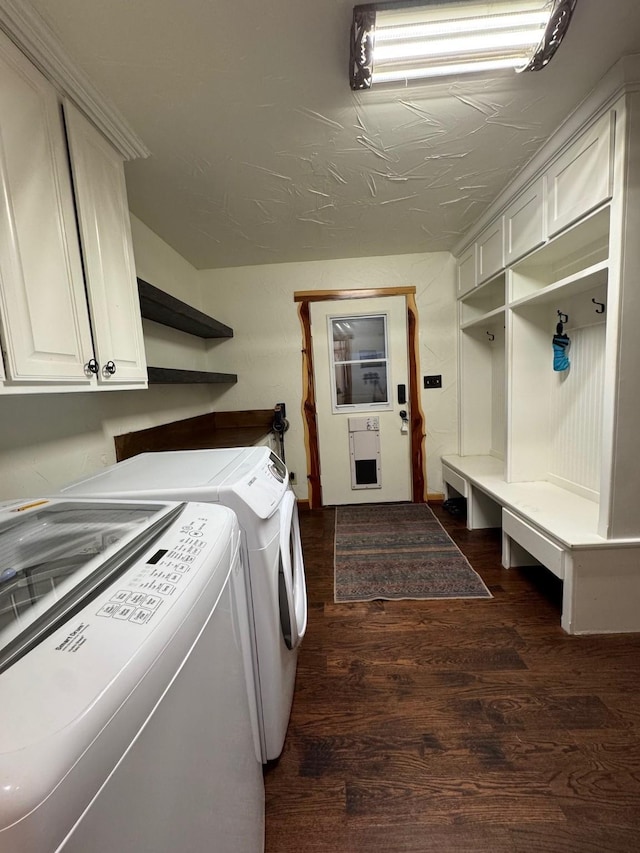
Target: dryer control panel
x: 263, y: 487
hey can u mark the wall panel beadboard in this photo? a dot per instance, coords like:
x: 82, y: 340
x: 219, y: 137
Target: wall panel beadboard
x: 498, y: 403
x: 576, y: 412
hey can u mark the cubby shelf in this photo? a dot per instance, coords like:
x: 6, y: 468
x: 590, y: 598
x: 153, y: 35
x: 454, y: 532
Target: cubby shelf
x: 580, y: 282
x: 488, y: 319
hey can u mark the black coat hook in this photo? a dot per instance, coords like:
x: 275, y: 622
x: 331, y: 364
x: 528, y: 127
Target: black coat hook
x: 562, y: 317
x: 491, y: 336
x: 600, y: 308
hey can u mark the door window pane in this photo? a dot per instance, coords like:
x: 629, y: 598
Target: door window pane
x: 358, y: 347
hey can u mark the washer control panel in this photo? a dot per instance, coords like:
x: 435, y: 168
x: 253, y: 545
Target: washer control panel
x: 161, y: 576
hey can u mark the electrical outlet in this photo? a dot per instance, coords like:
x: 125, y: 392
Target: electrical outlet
x: 432, y: 381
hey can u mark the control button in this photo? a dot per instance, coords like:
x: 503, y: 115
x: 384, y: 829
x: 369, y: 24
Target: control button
x: 121, y: 595
x: 137, y: 598
x: 152, y: 602
x: 109, y: 609
x: 124, y: 612
x: 173, y: 577
x: 140, y: 616
x: 166, y: 588
x: 175, y: 554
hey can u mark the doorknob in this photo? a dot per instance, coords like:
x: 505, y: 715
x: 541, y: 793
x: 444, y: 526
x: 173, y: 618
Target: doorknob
x: 405, y: 421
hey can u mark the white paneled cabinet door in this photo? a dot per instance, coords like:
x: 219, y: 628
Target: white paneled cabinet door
x: 490, y: 251
x: 45, y: 329
x: 582, y: 178
x: 112, y: 290
x: 524, y: 225
x: 467, y: 278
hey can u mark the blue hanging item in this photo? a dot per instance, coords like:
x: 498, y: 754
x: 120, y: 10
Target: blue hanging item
x: 561, y: 344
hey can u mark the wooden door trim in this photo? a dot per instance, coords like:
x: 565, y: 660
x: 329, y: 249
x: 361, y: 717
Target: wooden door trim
x: 309, y: 411
x: 353, y: 293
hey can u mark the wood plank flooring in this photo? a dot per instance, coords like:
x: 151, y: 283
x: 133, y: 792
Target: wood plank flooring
x: 471, y: 726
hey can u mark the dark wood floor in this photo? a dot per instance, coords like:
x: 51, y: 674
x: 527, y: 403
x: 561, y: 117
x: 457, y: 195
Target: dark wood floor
x: 456, y: 726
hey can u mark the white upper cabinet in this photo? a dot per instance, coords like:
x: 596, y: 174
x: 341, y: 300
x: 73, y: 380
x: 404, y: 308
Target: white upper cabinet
x: 467, y: 270
x: 490, y: 251
x: 483, y: 259
x: 43, y: 309
x: 582, y: 177
x: 62, y: 328
x: 103, y: 215
x: 524, y: 226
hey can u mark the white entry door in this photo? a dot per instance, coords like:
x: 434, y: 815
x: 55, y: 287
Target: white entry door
x: 360, y: 358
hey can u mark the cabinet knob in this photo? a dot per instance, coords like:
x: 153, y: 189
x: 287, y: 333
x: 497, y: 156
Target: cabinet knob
x: 91, y: 366
x: 109, y: 368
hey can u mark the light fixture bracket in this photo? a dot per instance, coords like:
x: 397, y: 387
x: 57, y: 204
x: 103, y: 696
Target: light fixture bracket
x: 361, y: 47
x: 553, y: 35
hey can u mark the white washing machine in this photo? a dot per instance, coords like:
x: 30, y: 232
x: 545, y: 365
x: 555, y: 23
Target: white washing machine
x: 125, y: 718
x: 254, y: 482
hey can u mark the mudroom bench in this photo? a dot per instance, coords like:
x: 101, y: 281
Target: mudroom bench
x: 544, y: 524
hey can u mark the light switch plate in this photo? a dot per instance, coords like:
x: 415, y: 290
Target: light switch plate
x: 433, y: 381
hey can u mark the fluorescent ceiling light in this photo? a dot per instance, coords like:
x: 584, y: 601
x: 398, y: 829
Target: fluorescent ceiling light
x: 399, y: 42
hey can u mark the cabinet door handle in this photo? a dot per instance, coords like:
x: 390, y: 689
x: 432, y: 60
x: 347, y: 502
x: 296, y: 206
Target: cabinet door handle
x: 91, y: 366
x: 109, y: 369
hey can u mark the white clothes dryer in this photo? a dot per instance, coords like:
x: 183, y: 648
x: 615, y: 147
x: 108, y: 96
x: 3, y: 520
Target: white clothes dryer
x: 253, y: 482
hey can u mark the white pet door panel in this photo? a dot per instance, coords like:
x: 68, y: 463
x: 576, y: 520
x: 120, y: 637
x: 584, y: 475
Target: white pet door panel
x: 364, y: 453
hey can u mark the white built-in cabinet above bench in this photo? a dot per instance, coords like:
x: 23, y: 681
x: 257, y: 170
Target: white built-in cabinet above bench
x: 553, y: 457
x: 69, y: 310
x: 576, y: 182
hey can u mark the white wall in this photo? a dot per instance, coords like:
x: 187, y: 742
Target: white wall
x: 257, y: 302
x: 47, y: 440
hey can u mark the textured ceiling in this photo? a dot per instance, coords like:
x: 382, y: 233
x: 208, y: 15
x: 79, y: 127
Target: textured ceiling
x: 260, y: 152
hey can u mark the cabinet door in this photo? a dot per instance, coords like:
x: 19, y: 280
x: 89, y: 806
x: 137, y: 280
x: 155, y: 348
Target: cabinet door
x: 490, y: 251
x: 43, y: 309
x: 582, y: 177
x: 467, y: 271
x: 105, y: 230
x: 524, y: 223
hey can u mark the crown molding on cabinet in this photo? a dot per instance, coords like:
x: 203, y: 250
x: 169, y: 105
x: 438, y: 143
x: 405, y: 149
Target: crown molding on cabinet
x: 30, y: 33
x: 622, y: 78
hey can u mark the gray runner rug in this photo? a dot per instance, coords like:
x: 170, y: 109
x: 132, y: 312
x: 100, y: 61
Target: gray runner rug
x: 396, y: 551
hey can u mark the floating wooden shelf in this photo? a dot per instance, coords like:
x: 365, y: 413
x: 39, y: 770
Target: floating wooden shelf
x: 158, y: 306
x: 177, y: 376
